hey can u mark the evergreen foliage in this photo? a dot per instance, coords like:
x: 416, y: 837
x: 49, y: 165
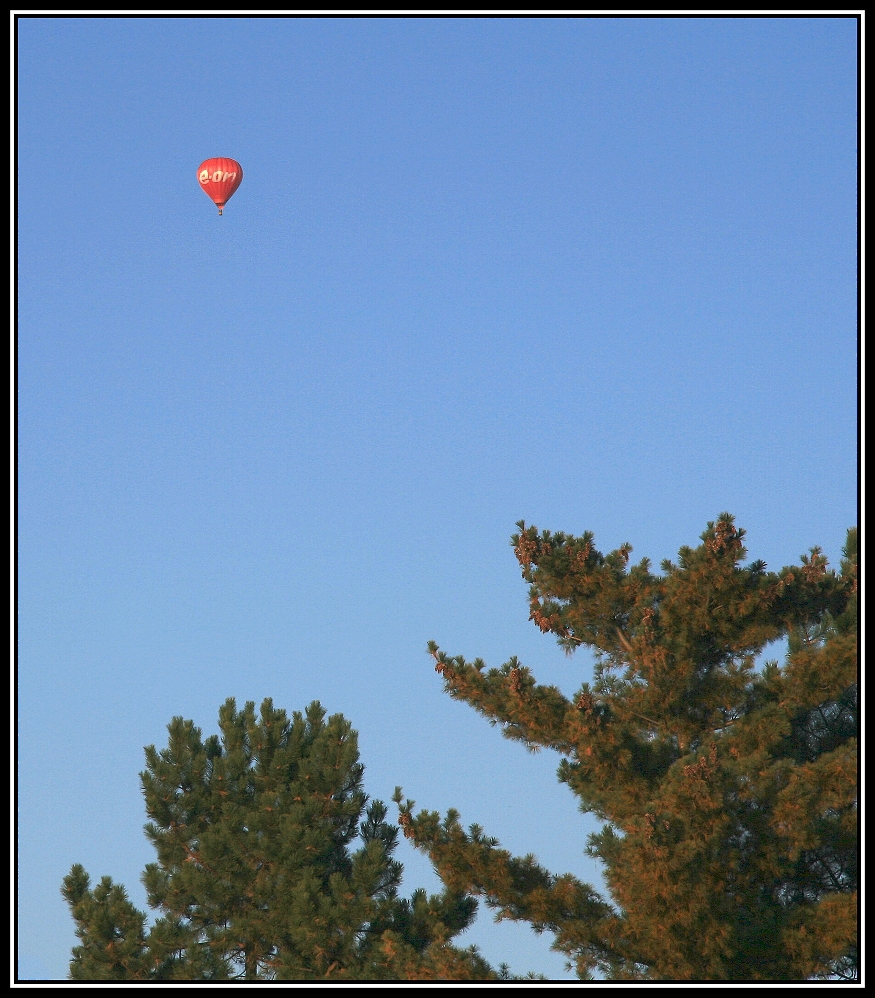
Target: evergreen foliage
x: 256, y: 875
x: 727, y: 791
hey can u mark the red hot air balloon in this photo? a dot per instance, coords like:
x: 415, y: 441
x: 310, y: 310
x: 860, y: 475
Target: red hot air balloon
x: 219, y: 178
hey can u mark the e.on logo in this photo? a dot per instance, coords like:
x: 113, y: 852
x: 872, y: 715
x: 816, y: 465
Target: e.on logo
x: 219, y: 178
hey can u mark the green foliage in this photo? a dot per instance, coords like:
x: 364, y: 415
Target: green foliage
x: 111, y: 930
x: 727, y: 792
x: 257, y: 877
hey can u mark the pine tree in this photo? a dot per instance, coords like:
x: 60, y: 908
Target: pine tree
x: 727, y: 790
x: 256, y: 875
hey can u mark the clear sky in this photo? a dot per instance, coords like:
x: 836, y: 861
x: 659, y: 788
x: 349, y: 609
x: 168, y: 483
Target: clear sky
x: 594, y: 273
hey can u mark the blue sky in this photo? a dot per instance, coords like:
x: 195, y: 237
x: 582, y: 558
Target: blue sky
x: 597, y: 274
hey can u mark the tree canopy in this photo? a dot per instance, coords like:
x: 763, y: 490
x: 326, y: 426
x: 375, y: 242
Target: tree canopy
x: 726, y: 787
x: 258, y: 876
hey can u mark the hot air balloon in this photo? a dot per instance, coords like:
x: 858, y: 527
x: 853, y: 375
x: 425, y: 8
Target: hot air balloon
x: 219, y: 178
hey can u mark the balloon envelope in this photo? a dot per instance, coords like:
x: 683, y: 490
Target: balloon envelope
x: 219, y: 178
